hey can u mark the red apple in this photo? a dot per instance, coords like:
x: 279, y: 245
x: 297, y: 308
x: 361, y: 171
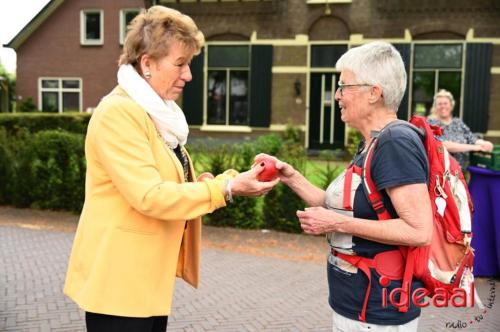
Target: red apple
x: 270, y: 171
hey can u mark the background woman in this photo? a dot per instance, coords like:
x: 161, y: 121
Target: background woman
x: 457, y: 137
x: 141, y: 221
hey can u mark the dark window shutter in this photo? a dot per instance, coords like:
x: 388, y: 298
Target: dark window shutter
x: 405, y: 51
x: 260, y: 85
x: 192, y: 97
x: 477, y: 86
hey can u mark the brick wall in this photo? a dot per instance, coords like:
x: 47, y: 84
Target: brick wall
x: 54, y: 50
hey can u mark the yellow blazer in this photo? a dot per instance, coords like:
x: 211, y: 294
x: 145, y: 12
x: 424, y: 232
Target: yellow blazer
x: 132, y: 239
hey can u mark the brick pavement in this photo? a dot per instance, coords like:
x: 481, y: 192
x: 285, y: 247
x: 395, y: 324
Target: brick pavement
x: 238, y: 292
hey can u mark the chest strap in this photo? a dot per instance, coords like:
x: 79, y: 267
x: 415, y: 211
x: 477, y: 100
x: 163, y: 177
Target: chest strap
x: 353, y: 169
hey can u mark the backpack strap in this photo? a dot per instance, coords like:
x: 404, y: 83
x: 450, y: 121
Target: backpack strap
x: 375, y: 198
x: 371, y: 191
x: 352, y: 169
x: 364, y: 264
x: 386, y: 258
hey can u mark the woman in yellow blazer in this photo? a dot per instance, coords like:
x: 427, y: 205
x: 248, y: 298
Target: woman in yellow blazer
x: 141, y: 221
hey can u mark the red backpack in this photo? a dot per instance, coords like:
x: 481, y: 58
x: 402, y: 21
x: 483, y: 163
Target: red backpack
x: 446, y: 264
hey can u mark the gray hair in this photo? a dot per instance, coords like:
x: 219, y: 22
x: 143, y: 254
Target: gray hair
x: 377, y: 63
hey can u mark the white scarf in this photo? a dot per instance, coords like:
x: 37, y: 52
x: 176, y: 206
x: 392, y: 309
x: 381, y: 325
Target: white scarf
x: 166, y: 114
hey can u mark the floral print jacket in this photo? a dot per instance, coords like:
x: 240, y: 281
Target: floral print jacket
x: 457, y: 131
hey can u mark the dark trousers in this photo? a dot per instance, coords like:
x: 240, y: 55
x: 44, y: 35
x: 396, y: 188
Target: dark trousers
x: 109, y: 323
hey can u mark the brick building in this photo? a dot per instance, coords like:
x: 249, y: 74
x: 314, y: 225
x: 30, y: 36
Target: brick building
x: 271, y: 62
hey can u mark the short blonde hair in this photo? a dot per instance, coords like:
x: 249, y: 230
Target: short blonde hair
x: 153, y: 31
x: 446, y: 94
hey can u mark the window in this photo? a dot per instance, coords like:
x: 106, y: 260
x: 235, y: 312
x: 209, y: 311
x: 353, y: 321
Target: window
x: 326, y: 55
x: 91, y: 27
x: 60, y: 94
x: 126, y: 16
x: 435, y: 67
x: 228, y: 85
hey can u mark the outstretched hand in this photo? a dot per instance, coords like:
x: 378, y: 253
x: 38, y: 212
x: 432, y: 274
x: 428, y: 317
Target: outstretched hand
x: 247, y: 184
x: 286, y: 171
x: 486, y: 146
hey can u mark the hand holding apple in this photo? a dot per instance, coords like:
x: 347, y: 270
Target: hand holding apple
x: 270, y: 171
x: 285, y: 171
x: 248, y: 184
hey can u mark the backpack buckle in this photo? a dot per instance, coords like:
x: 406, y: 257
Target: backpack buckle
x: 467, y: 243
x: 378, y: 206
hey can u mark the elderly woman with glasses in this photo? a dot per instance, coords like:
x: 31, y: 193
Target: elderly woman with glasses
x: 372, y: 84
x: 140, y: 226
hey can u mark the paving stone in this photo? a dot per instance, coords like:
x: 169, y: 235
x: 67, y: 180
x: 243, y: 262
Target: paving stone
x: 238, y: 292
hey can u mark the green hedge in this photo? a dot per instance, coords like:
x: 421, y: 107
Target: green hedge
x: 216, y: 158
x: 46, y: 169
x: 276, y: 210
x: 6, y: 167
x: 38, y: 121
x: 281, y: 204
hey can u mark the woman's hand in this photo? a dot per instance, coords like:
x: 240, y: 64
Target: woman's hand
x: 247, y: 184
x: 311, y: 194
x: 286, y: 171
x: 485, y: 146
x: 204, y: 175
x: 318, y: 220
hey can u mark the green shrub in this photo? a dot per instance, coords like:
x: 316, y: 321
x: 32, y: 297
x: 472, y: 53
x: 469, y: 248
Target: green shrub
x: 280, y: 207
x: 6, y: 173
x: 6, y: 167
x: 38, y: 121
x: 280, y: 204
x: 353, y: 138
x: 330, y: 172
x: 292, y: 134
x: 270, y: 144
x: 245, y: 212
x: 242, y: 213
x: 11, y: 83
x: 27, y: 106
x: 51, y: 172
x: 12, y: 148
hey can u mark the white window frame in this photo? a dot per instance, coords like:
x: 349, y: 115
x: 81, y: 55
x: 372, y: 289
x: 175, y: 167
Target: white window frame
x: 123, y: 27
x: 83, y: 27
x: 223, y: 127
x: 461, y: 69
x: 60, y: 90
x: 228, y: 71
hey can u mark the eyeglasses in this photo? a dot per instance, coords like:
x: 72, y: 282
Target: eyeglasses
x: 342, y: 86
